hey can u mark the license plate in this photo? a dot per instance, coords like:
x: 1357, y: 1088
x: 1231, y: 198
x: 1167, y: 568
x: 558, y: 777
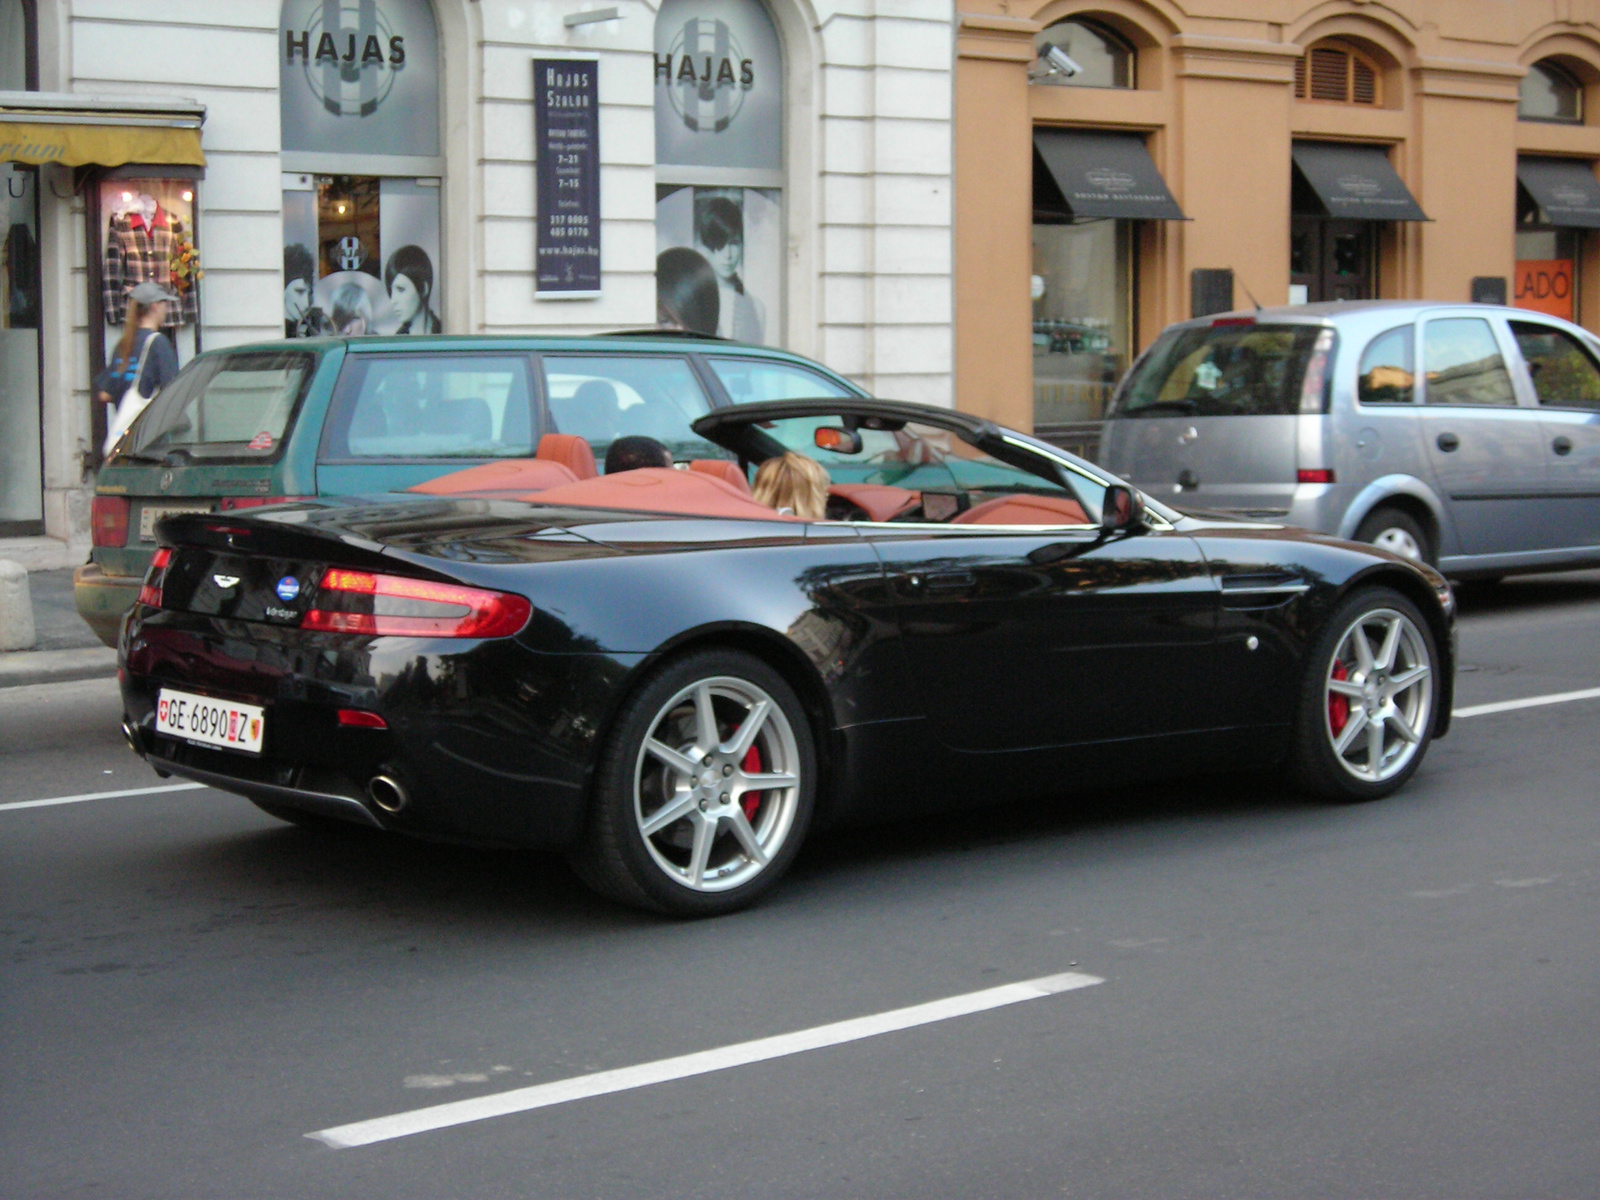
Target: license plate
x: 151, y: 513
x: 210, y: 722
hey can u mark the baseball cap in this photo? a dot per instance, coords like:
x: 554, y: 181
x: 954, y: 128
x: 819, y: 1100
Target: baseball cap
x: 149, y: 293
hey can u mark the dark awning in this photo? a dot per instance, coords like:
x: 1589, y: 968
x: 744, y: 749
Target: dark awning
x: 1355, y: 182
x: 1106, y: 175
x: 1564, y: 188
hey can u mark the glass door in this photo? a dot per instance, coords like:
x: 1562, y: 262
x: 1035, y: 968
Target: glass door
x: 21, y: 451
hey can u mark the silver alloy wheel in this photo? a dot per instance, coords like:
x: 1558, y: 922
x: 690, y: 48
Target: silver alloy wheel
x: 1399, y: 541
x: 709, y: 821
x: 1379, y: 701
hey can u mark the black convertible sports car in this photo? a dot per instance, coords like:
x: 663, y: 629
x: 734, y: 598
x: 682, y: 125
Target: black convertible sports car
x: 674, y: 683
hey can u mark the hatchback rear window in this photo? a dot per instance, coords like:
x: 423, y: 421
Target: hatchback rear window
x: 1219, y: 371
x: 227, y: 406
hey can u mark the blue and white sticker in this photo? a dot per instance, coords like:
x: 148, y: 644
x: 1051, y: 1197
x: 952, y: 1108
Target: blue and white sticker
x: 288, y: 588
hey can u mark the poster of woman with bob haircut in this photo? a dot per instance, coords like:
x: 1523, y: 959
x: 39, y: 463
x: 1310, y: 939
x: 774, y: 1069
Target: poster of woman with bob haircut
x: 736, y: 233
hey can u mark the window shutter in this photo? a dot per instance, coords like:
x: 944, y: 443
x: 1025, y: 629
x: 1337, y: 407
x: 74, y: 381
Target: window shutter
x: 1329, y: 74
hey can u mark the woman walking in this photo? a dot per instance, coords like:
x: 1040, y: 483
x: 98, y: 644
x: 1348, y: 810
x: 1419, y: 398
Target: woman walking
x: 144, y: 361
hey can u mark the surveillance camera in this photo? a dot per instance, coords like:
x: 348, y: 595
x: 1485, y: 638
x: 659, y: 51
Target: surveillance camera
x: 1060, y: 63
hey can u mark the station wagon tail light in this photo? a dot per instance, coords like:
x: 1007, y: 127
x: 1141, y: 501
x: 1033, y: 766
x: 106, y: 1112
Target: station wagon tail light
x: 1319, y: 367
x: 1314, y: 475
x: 108, y: 520
x: 150, y: 593
x: 373, y: 605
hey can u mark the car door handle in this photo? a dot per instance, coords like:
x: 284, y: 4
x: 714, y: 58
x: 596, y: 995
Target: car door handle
x: 944, y: 581
x: 1562, y: 445
x: 1448, y: 442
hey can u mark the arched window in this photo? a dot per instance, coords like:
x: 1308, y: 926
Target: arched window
x: 1550, y: 92
x: 1102, y: 58
x: 1335, y: 73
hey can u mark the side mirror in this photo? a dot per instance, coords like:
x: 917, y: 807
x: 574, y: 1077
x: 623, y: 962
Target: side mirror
x: 1122, y: 509
x: 840, y: 441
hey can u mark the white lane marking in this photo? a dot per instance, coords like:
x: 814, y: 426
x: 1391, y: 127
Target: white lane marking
x: 149, y: 791
x: 1499, y: 706
x: 562, y: 1091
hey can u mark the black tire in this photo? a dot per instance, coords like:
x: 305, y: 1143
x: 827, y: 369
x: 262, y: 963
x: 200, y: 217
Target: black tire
x: 1316, y: 761
x: 1395, y: 530
x: 621, y: 860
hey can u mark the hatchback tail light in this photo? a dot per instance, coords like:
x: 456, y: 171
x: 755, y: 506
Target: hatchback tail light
x: 150, y: 593
x: 229, y: 503
x: 1316, y: 475
x: 108, y: 520
x: 361, y: 602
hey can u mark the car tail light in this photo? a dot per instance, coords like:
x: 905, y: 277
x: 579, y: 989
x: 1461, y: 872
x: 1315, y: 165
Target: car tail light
x: 1314, y: 387
x: 229, y: 503
x: 360, y: 718
x: 1222, y: 321
x: 392, y: 605
x: 150, y: 593
x: 1318, y: 475
x: 108, y: 520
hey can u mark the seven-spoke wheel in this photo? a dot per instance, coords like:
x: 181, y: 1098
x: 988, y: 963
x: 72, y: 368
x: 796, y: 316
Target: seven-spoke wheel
x: 1368, y: 704
x: 705, y: 789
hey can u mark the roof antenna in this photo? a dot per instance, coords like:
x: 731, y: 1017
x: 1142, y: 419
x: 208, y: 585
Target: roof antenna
x: 1246, y: 291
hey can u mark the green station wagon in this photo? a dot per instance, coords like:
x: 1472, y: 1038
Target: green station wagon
x: 258, y: 424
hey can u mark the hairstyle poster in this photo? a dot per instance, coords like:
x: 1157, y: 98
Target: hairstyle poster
x: 719, y: 261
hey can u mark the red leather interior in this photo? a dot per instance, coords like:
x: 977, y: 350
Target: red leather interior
x: 512, y: 475
x: 660, y: 490
x: 722, y: 468
x: 1024, y: 510
x: 571, y: 451
x: 879, y: 501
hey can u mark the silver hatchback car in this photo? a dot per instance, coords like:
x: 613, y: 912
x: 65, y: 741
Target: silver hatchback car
x: 1464, y: 435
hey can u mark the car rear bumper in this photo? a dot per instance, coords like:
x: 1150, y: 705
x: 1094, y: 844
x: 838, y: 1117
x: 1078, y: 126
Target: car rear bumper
x: 103, y: 600
x: 486, y: 742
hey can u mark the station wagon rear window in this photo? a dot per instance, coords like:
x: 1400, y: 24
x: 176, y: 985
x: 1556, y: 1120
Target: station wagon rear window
x: 426, y: 406
x: 1219, y: 371
x: 226, y: 406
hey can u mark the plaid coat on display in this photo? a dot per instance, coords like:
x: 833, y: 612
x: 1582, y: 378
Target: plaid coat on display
x: 139, y: 253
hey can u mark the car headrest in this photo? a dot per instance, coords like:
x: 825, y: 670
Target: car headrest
x: 722, y: 468
x: 571, y: 451
x: 880, y: 501
x: 512, y: 475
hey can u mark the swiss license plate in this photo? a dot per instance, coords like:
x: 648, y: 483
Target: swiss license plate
x: 151, y: 513
x: 210, y: 722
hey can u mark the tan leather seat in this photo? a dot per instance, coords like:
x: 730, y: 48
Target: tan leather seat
x: 880, y: 501
x: 1024, y: 510
x: 512, y: 475
x: 722, y: 468
x: 571, y: 451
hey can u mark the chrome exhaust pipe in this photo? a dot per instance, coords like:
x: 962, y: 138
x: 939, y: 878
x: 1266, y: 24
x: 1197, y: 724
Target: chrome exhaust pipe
x: 131, y: 736
x: 388, y: 793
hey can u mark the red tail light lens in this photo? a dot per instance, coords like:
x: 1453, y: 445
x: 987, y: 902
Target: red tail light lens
x: 150, y: 593
x: 361, y: 602
x: 108, y: 520
x: 229, y: 503
x: 1320, y: 475
x: 360, y: 718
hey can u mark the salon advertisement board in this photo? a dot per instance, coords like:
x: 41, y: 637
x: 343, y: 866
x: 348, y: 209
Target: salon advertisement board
x: 566, y: 124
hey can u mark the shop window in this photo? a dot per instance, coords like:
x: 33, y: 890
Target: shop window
x: 1550, y: 92
x: 21, y: 450
x: 719, y: 77
x: 1082, y: 317
x: 1333, y: 73
x: 359, y: 93
x: 1103, y: 58
x: 1549, y: 262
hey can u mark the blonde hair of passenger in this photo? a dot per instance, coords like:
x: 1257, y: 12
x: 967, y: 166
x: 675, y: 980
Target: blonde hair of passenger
x: 794, y: 482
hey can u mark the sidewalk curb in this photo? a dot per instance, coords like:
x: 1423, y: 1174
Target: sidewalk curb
x: 21, y: 668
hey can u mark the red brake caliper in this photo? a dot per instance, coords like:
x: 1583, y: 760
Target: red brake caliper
x: 1338, y: 706
x: 751, y: 801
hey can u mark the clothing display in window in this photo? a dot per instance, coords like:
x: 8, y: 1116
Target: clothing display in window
x: 139, y: 246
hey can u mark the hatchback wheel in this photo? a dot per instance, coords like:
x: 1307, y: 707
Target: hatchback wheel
x: 704, y: 791
x: 1397, y: 532
x: 1367, y: 702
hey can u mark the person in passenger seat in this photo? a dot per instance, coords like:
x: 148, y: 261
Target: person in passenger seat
x: 794, y: 485
x: 631, y: 453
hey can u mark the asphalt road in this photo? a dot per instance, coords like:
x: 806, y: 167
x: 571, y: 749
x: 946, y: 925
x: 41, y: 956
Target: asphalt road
x: 1392, y: 1000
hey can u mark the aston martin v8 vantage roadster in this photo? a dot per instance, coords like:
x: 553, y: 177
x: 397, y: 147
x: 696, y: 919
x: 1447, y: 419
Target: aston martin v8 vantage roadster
x: 674, y: 683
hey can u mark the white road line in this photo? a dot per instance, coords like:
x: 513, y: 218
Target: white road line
x: 562, y: 1091
x: 149, y: 791
x: 1499, y: 706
